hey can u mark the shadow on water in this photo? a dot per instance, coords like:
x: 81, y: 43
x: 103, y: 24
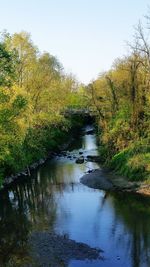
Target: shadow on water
x: 54, y: 200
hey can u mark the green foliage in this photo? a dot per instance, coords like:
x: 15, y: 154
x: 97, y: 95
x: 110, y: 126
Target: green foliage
x: 34, y: 92
x: 13, y: 112
x: 6, y: 66
x: 121, y: 99
x: 134, y: 166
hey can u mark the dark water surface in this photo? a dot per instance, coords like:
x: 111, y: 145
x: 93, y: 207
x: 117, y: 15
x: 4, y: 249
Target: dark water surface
x: 54, y: 200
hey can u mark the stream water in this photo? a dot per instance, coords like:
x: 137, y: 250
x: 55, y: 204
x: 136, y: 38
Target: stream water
x: 54, y: 200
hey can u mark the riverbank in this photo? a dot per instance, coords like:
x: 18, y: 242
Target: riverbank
x: 34, y: 166
x: 62, y: 139
x: 51, y: 213
x: 106, y: 180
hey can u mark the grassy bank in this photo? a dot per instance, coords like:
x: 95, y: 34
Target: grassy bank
x: 133, y: 162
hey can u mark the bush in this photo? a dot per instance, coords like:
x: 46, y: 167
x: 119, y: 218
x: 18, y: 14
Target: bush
x: 133, y: 162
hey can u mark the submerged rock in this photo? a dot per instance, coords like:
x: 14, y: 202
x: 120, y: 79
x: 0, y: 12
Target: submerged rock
x: 49, y: 249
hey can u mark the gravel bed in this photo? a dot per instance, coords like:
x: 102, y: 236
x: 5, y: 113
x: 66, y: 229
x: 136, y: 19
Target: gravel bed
x: 52, y: 250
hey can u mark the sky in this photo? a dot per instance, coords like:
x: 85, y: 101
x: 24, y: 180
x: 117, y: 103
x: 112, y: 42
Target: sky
x: 85, y: 35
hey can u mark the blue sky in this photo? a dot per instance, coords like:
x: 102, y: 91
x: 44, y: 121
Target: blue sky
x: 85, y: 35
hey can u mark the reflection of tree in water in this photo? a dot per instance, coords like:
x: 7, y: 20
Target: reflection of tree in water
x: 28, y: 206
x: 13, y: 230
x: 134, y: 213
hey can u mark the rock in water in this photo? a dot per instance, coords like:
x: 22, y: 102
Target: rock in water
x: 80, y: 160
x: 93, y: 158
x: 98, y: 180
x: 90, y: 132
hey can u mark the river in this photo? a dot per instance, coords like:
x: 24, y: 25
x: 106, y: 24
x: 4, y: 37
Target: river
x: 54, y: 200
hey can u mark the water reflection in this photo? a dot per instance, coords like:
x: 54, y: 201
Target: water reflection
x: 134, y: 212
x: 14, y: 227
x: 54, y: 200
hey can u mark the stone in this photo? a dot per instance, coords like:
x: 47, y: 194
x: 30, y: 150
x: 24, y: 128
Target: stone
x: 90, y: 132
x: 93, y: 158
x: 80, y: 160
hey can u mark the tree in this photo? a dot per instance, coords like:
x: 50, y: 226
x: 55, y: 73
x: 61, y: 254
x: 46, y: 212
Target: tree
x: 26, y: 54
x: 14, y: 112
x: 7, y: 70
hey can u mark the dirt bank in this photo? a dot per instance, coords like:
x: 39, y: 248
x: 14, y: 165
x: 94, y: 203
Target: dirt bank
x: 105, y: 180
